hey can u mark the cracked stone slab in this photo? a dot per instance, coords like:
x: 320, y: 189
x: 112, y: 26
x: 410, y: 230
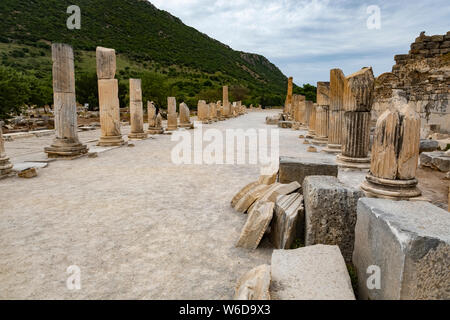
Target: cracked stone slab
x: 254, y: 285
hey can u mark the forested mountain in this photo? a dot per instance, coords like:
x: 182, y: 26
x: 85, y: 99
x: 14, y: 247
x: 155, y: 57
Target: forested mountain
x: 170, y: 57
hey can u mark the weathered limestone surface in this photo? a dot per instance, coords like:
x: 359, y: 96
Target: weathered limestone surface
x: 427, y: 145
x: 410, y: 243
x: 136, y: 111
x: 322, y: 113
x: 66, y: 143
x: 203, y: 111
x: 185, y: 118
x: 330, y: 213
x: 288, y: 215
x: 226, y: 102
x: 5, y: 164
x: 297, y: 169
x: 284, y: 189
x: 154, y: 120
x: 310, y: 273
x: 312, y: 119
x: 254, y: 285
x: 437, y: 160
x: 423, y: 75
x: 256, y: 226
x: 395, y: 153
x: 243, y: 192
x: 250, y: 197
x: 172, y: 116
x: 108, y: 98
x: 106, y: 63
x: 288, y: 103
x: 358, y: 99
x: 336, y: 111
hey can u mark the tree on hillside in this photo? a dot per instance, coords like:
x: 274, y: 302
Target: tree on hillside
x: 87, y: 90
x: 14, y: 92
x: 155, y: 88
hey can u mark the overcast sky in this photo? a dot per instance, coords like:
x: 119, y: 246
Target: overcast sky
x: 307, y: 38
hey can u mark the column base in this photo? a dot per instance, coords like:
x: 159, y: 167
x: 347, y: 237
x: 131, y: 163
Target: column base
x: 333, y: 148
x: 138, y: 136
x: 155, y: 131
x: 111, y: 141
x: 390, y: 189
x: 320, y: 141
x: 353, y: 163
x: 186, y: 125
x: 66, y: 152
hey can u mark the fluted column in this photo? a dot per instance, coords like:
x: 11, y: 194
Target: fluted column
x: 66, y: 143
x: 395, y: 153
x: 358, y: 99
x: 323, y: 102
x: 172, y: 116
x: 108, y: 98
x: 336, y: 111
x: 5, y: 165
x: 312, y: 119
x: 136, y: 111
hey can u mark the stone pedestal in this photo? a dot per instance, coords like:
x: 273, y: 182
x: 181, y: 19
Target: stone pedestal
x: 5, y: 165
x: 358, y: 99
x: 108, y: 98
x: 185, y: 121
x: 395, y: 153
x: 312, y: 120
x: 136, y: 111
x: 154, y: 121
x: 336, y: 111
x: 66, y: 143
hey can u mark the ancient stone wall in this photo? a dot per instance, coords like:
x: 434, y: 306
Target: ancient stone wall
x: 424, y: 74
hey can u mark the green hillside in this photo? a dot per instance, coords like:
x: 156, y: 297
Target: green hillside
x: 170, y: 57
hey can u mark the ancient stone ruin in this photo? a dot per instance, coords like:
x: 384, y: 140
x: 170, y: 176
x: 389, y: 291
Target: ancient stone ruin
x: 66, y: 143
x: 136, y: 111
x: 108, y: 98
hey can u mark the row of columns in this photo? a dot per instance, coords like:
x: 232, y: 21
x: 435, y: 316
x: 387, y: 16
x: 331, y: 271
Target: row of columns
x: 341, y: 121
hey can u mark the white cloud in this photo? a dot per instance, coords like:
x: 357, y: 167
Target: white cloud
x: 305, y: 38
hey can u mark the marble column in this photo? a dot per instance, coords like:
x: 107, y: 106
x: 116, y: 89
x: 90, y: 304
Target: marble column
x: 395, y: 152
x: 323, y: 102
x: 336, y: 111
x: 108, y: 98
x: 5, y: 165
x: 66, y: 143
x: 185, y: 119
x: 154, y: 126
x: 358, y: 99
x: 172, y: 116
x: 288, y: 104
x: 312, y: 119
x: 136, y: 111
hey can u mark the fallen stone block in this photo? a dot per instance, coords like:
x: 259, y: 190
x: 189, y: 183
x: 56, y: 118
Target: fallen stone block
x: 436, y: 160
x: 406, y: 246
x: 272, y: 120
x: 250, y: 197
x: 28, y: 173
x: 310, y: 273
x: 428, y: 145
x: 311, y: 149
x: 243, y: 192
x: 287, y: 215
x: 268, y: 179
x: 297, y: 169
x: 284, y: 189
x: 256, y: 226
x: 330, y: 213
x: 265, y: 196
x: 254, y: 285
